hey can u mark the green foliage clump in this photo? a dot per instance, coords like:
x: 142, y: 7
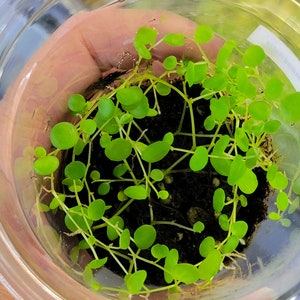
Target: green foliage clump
x: 235, y: 94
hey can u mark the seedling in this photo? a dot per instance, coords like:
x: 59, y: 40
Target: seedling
x: 235, y: 142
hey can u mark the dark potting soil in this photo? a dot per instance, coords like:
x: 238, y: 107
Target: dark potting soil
x: 190, y: 192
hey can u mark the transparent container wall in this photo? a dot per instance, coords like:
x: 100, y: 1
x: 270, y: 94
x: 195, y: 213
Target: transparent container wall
x: 33, y: 257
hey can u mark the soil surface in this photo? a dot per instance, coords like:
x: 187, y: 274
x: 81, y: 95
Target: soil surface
x: 190, y: 192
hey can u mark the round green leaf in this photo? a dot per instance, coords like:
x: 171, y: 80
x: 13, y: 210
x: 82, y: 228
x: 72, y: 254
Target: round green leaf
x: 163, y: 89
x: 124, y: 241
x: 248, y: 182
x: 170, y: 62
x: 134, y: 282
x: 163, y: 194
x: 224, y: 222
x: 118, y: 149
x: 290, y: 107
x: 96, y: 209
x: 199, y: 159
x: 282, y: 201
x: 88, y: 126
x: 239, y: 229
x: 103, y: 188
x: 260, y: 110
x: 46, y: 165
x: 137, y: 192
x: 253, y: 56
x: 144, y: 236
x: 159, y: 251
x: 40, y: 152
x: 120, y: 170
x: 75, y: 170
x: 274, y: 88
x: 157, y: 175
x: 272, y: 126
x: 206, y: 246
x: 231, y: 244
x: 156, y: 151
x: 112, y: 228
x: 77, y: 103
x: 211, y: 265
x: 106, y: 108
x: 203, y: 34
x: 186, y: 273
x: 130, y: 96
x: 64, y: 135
x: 174, y: 39
x: 219, y: 198
x: 198, y: 227
x: 170, y: 261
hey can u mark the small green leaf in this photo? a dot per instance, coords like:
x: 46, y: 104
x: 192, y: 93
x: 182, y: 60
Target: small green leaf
x: 162, y: 89
x: 156, y: 151
x: 170, y: 261
x: 290, y: 107
x: 241, y: 139
x: 159, y: 251
x: 199, y: 159
x: 134, y: 282
x: 144, y: 236
x: 106, y: 109
x: 274, y: 216
x: 96, y: 210
x: 174, y: 39
x: 260, y: 110
x: 137, y: 192
x: 239, y: 229
x: 170, y: 62
x: 118, y: 149
x: 103, y: 188
x: 237, y: 170
x: 77, y: 103
x: 230, y: 245
x: 251, y: 158
x: 219, y: 198
x: 130, y: 96
x: 224, y: 54
x: 272, y: 126
x: 157, y: 175
x: 112, y: 228
x: 274, y: 88
x: 285, y: 222
x: 277, y: 179
x: 124, y: 241
x: 209, y: 123
x: 97, y: 263
x: 282, y: 201
x: 186, y: 273
x: 219, y: 160
x: 219, y: 108
x: 146, y: 35
x: 105, y: 140
x: 163, y: 194
x: 40, y: 152
x: 120, y: 170
x: 253, y: 56
x: 75, y: 170
x: 95, y: 175
x: 198, y: 227
x: 206, y: 246
x: 169, y: 138
x: 195, y: 73
x: 46, y: 165
x: 248, y: 183
x: 64, y: 136
x: 56, y: 201
x: 211, y: 265
x: 88, y: 126
x: 216, y: 83
x: 203, y: 34
x: 224, y: 222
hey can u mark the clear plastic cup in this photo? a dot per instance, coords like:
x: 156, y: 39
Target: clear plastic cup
x: 33, y: 263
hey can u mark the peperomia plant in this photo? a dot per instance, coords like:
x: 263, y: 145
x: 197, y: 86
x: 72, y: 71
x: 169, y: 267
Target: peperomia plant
x: 113, y: 161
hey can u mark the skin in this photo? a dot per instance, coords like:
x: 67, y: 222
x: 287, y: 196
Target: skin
x: 87, y: 46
